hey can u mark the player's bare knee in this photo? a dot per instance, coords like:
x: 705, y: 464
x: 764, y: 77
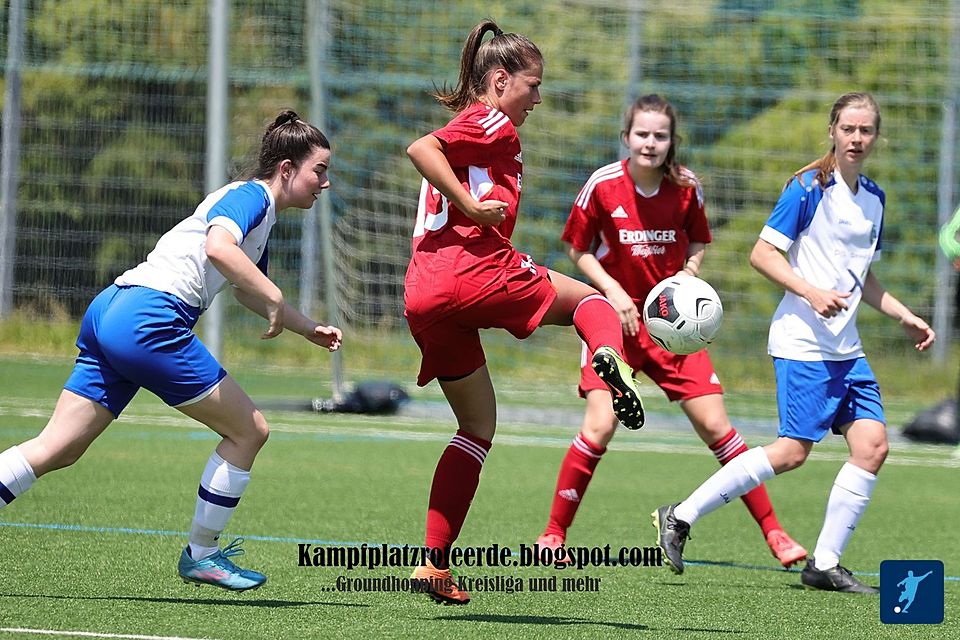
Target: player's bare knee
x: 599, y: 432
x: 480, y: 428
x: 880, y: 452
x: 261, y: 430
x: 786, y: 458
x: 795, y: 459
x: 872, y: 457
x: 712, y: 431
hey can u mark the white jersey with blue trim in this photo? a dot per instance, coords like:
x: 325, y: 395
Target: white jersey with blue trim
x: 179, y: 263
x: 831, y: 237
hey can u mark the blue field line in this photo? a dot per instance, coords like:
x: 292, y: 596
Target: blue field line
x: 173, y: 534
x: 344, y: 543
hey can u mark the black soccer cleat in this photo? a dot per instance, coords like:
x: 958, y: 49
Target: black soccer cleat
x: 834, y: 579
x: 672, y: 534
x: 618, y: 376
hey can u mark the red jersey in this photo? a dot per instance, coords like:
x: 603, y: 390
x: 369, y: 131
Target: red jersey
x: 639, y: 240
x: 451, y: 252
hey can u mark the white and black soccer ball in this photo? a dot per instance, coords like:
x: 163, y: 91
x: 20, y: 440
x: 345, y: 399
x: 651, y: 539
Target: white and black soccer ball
x: 683, y: 314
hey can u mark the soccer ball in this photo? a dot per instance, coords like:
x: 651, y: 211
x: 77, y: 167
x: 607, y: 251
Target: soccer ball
x: 682, y: 314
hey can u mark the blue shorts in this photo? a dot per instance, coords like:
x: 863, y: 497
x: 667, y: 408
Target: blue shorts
x: 816, y: 397
x: 133, y: 337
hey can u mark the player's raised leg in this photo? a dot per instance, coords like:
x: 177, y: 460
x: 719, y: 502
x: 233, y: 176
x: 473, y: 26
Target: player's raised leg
x: 230, y: 412
x: 598, y: 325
x: 75, y: 424
x: 742, y: 474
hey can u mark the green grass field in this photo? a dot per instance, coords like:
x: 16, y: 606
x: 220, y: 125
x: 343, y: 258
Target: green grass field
x: 93, y: 548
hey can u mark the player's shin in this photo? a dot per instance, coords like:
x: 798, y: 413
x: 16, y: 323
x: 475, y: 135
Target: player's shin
x: 847, y: 502
x: 597, y: 323
x: 745, y: 472
x: 221, y: 486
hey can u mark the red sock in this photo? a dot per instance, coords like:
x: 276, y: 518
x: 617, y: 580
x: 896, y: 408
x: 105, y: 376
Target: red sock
x: 598, y: 324
x: 575, y: 473
x: 757, y: 500
x: 454, y: 485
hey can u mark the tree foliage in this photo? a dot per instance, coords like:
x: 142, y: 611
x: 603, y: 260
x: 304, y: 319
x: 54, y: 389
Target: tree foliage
x: 114, y: 113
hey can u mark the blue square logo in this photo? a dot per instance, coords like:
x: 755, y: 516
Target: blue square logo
x: 911, y: 592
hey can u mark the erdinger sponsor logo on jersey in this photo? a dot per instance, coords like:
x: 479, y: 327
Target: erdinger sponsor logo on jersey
x: 647, y: 242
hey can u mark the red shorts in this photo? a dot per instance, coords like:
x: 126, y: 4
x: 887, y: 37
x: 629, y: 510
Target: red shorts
x: 448, y: 334
x: 680, y: 377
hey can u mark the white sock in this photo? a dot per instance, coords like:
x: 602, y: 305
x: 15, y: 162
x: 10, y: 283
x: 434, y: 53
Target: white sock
x: 742, y: 474
x: 221, y: 486
x: 16, y: 475
x: 848, y: 500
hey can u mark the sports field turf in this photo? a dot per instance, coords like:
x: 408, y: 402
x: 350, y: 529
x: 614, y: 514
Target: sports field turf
x: 93, y: 549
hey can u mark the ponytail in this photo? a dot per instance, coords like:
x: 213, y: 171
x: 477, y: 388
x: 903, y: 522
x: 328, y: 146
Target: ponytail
x: 511, y: 51
x: 287, y: 138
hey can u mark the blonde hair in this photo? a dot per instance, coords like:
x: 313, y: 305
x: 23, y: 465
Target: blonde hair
x: 826, y: 164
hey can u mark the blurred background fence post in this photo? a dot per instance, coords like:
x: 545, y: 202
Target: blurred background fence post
x: 9, y: 156
x: 218, y: 117
x: 318, y: 21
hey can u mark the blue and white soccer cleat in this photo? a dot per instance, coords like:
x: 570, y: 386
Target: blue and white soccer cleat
x: 218, y: 570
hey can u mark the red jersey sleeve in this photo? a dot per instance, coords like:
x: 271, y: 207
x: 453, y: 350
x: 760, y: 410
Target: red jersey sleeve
x: 475, y: 138
x: 582, y: 230
x: 695, y: 218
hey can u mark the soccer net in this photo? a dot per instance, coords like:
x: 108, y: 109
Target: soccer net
x: 113, y: 118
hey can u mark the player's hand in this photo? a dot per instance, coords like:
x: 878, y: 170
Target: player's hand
x: 274, y: 314
x: 827, y: 303
x: 488, y: 213
x: 918, y: 331
x: 626, y: 309
x: 329, y: 337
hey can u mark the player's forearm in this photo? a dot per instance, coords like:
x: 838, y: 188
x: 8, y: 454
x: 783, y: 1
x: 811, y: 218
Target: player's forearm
x: 695, y: 254
x: 239, y: 270
x: 293, y: 320
x: 251, y: 302
x: 768, y: 260
x: 297, y: 322
x: 589, y: 266
x: 875, y: 295
x: 427, y: 156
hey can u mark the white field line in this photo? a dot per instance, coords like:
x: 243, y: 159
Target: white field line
x: 911, y: 455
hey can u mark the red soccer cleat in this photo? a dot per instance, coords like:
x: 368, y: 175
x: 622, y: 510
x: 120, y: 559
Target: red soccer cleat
x: 553, y: 542
x: 439, y: 584
x: 784, y: 548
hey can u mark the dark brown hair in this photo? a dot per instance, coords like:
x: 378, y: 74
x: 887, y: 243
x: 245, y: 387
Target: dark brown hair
x: 511, y: 51
x: 826, y: 164
x: 287, y: 138
x: 654, y: 103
